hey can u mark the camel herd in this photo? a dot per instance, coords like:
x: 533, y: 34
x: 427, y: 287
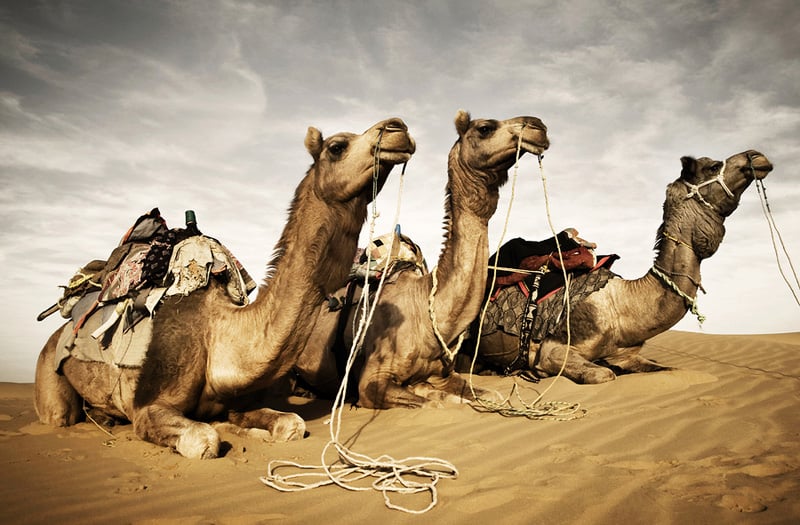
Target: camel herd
x: 209, y: 360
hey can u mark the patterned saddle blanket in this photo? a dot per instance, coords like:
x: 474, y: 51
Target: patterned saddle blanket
x: 507, y: 307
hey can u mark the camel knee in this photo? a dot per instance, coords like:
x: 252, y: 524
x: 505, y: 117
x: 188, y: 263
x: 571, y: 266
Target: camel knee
x: 55, y: 400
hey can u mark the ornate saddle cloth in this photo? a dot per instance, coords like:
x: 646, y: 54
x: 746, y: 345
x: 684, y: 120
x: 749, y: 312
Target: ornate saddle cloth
x: 507, y: 307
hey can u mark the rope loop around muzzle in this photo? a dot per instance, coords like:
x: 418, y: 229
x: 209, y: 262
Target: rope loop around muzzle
x: 694, y: 189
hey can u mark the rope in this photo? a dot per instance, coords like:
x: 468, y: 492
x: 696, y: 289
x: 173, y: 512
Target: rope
x: 691, y: 302
x: 515, y: 270
x: 390, y: 474
x: 450, y: 354
x: 537, y: 410
x: 773, y: 231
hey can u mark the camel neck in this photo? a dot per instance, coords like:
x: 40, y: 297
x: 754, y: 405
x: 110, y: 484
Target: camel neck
x: 311, y: 260
x: 677, y: 269
x: 461, y: 269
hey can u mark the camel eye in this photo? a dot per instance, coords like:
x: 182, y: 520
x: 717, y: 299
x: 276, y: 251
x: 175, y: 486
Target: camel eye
x: 713, y: 168
x: 485, y: 129
x: 337, y: 148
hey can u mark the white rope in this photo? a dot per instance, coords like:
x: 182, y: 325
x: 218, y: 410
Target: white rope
x: 391, y: 476
x: 451, y: 354
x: 694, y: 189
x: 536, y: 409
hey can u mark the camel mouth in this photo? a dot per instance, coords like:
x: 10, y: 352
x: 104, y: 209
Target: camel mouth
x: 536, y: 149
x: 760, y: 165
x: 536, y: 144
x: 395, y: 157
x: 396, y: 147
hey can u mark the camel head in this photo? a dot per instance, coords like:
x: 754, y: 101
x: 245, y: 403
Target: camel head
x: 345, y: 163
x: 706, y: 192
x: 490, y: 146
x: 719, y: 185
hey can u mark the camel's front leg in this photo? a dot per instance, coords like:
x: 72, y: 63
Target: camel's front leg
x: 164, y: 425
x: 552, y: 356
x: 268, y: 425
x: 54, y: 398
x: 382, y: 390
x: 452, y: 388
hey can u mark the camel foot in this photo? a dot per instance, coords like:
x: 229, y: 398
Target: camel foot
x: 200, y: 441
x: 288, y: 427
x: 275, y: 426
x: 597, y: 375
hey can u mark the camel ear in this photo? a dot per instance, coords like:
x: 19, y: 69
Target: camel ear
x: 314, y: 142
x: 689, y: 167
x: 462, y: 122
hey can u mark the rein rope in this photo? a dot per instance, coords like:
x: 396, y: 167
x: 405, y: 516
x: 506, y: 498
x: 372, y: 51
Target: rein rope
x: 773, y: 231
x: 536, y: 409
x: 391, y: 475
x: 450, y: 355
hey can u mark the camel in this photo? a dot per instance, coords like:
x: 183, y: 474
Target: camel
x: 610, y: 325
x: 208, y: 358
x: 403, y: 362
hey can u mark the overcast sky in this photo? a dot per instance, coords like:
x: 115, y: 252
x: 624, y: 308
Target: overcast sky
x: 108, y: 109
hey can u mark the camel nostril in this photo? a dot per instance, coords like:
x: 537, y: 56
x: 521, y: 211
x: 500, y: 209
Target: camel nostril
x: 395, y: 124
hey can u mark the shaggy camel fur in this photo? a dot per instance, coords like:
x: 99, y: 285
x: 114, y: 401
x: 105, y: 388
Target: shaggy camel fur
x: 209, y: 358
x: 611, y: 324
x: 402, y: 362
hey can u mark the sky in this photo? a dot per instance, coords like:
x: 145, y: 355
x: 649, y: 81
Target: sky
x: 108, y: 109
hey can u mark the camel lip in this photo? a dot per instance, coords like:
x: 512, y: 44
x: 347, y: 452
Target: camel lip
x: 536, y: 149
x: 396, y: 156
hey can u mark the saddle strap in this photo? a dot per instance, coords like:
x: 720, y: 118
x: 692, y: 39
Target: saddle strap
x: 339, y: 348
x: 526, y: 327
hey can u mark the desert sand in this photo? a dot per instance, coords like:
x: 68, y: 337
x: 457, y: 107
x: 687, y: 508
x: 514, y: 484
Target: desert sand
x: 717, y: 440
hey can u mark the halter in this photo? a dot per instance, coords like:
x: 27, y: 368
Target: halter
x: 694, y: 189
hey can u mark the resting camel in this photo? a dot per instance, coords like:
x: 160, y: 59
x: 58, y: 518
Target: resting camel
x: 403, y: 362
x: 208, y: 357
x: 611, y: 324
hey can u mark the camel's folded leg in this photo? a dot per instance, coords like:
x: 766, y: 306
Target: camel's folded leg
x: 55, y: 400
x: 450, y: 389
x: 271, y: 425
x: 166, y: 426
x: 383, y: 391
x: 633, y: 363
x: 577, y: 368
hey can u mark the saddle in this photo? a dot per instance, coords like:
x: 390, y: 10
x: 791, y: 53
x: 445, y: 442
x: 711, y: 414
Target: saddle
x: 105, y: 299
x: 518, y: 303
x: 369, y: 265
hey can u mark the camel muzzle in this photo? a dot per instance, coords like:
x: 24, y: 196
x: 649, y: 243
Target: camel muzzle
x: 759, y: 164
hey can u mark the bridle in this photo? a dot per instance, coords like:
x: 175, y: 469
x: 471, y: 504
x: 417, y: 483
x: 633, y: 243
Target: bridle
x: 694, y: 189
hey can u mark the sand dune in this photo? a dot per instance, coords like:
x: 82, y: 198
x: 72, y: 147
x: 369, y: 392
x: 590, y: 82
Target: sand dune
x: 715, y: 441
